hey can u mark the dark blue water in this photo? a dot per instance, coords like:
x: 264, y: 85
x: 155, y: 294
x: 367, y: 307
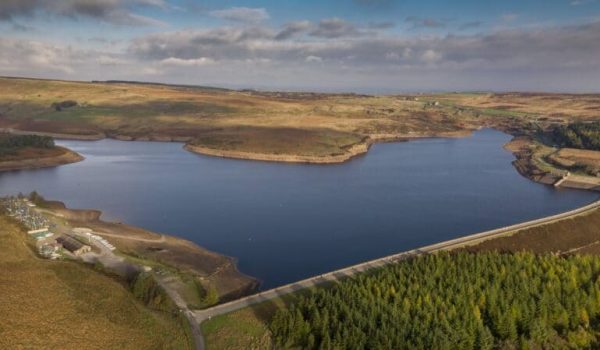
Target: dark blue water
x: 284, y: 222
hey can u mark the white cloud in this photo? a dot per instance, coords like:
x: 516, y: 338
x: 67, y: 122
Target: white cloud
x: 559, y: 57
x: 173, y: 61
x: 431, y: 56
x: 22, y: 55
x: 581, y: 2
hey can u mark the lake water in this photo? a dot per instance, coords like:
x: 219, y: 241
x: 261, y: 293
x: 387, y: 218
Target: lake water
x: 285, y: 222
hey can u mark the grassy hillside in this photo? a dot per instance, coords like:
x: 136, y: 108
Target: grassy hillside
x: 538, y: 106
x: 275, y: 123
x: 316, y: 124
x: 66, y: 305
x: 580, y: 234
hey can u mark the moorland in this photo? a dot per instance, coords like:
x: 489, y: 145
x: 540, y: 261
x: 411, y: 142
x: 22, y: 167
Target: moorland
x: 555, y: 142
x: 307, y: 127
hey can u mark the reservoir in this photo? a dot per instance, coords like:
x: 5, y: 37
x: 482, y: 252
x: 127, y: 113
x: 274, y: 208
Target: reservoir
x: 285, y: 222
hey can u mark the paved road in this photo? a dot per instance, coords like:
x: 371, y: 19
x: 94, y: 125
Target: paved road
x: 203, y: 315
x: 189, y: 315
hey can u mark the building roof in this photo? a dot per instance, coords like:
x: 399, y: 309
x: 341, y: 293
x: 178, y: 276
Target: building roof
x: 69, y: 243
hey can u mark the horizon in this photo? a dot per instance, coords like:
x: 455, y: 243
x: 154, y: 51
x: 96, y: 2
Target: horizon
x: 333, y: 92
x: 357, y: 46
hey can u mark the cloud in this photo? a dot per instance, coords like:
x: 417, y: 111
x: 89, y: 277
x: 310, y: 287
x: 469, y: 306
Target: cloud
x: 580, y: 2
x: 313, y: 59
x: 172, y: 61
x: 335, y: 28
x: 418, y: 22
x: 22, y: 55
x: 219, y: 43
x: 540, y: 58
x: 292, y: 29
x: 381, y: 25
x: 18, y: 27
x: 509, y: 49
x: 108, y: 60
x: 12, y: 8
x: 375, y: 4
x: 242, y: 14
x: 112, y: 11
x: 431, y: 56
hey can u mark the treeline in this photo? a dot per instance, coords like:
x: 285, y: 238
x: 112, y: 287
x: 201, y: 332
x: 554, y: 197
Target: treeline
x: 145, y: 288
x: 59, y: 106
x: 578, y: 135
x: 10, y: 144
x: 453, y: 301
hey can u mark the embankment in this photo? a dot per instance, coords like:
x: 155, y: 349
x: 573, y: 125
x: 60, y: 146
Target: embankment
x: 453, y: 244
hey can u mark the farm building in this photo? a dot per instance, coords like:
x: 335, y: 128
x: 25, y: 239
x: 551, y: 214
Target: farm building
x: 73, y: 245
x: 49, y: 250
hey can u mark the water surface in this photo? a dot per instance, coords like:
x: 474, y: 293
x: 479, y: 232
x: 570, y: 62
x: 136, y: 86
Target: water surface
x: 285, y: 222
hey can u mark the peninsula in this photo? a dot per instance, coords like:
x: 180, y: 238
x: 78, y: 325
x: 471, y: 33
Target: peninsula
x: 18, y: 152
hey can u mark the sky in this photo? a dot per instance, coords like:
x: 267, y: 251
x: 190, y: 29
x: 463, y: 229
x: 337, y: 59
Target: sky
x: 365, y: 46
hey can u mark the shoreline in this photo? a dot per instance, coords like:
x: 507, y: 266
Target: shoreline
x: 167, y: 249
x: 67, y: 157
x: 523, y: 163
x: 353, y: 151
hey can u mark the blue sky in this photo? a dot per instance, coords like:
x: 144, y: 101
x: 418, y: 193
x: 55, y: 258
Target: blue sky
x: 344, y: 45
